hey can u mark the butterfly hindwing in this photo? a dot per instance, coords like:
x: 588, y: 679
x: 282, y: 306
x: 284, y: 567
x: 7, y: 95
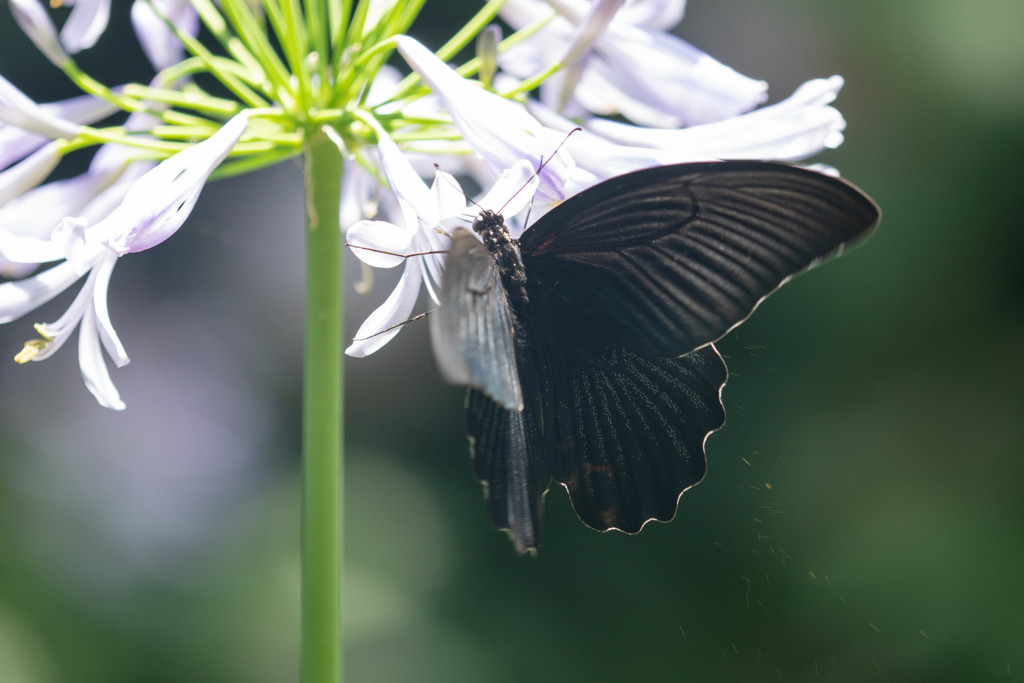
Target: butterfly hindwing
x: 507, y: 451
x: 472, y: 332
x: 672, y: 258
x: 625, y: 433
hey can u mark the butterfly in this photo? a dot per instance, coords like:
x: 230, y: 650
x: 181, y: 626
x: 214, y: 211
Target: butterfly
x: 587, y: 345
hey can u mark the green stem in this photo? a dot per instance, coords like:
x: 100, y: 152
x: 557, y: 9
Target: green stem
x: 322, y: 417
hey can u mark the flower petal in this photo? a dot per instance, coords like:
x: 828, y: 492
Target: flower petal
x: 85, y: 24
x: 36, y: 24
x: 13, y: 270
x: 412, y: 193
x: 795, y: 128
x: 160, y: 44
x: 94, y: 370
x: 38, y: 211
x: 653, y: 14
x: 600, y: 158
x: 378, y: 243
x: 21, y: 296
x: 18, y: 110
x: 512, y: 191
x: 108, y: 335
x: 160, y: 201
x: 656, y: 79
x: 371, y: 335
x: 359, y: 194
x: 448, y: 194
x: 28, y: 173
x: 500, y: 131
x: 60, y: 330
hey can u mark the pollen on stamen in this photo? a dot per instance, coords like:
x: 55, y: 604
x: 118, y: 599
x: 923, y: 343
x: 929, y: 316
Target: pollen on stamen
x: 32, y: 348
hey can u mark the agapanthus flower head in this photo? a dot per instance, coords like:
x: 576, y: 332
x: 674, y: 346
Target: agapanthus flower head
x: 501, y: 118
x: 623, y: 60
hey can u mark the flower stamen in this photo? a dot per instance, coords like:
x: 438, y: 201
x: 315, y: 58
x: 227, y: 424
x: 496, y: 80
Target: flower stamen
x: 33, y: 347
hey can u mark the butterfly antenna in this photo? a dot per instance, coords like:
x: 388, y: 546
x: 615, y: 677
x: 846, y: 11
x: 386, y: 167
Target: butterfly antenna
x: 458, y: 187
x: 543, y: 163
x: 421, y: 316
x: 391, y: 253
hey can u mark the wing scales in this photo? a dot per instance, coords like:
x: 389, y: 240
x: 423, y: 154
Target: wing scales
x: 508, y: 457
x: 674, y: 257
x: 630, y: 430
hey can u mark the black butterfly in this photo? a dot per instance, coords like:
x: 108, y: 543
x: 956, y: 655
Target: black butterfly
x: 587, y: 343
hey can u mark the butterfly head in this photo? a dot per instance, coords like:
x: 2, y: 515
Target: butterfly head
x: 490, y: 225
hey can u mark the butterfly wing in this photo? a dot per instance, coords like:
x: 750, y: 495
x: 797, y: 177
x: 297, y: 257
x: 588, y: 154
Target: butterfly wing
x: 672, y: 258
x: 624, y: 432
x: 628, y: 284
x: 508, y: 459
x: 473, y: 337
x: 472, y: 331
x: 635, y: 442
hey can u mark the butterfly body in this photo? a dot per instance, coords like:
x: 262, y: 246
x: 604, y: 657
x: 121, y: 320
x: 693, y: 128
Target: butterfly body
x: 587, y: 345
x: 504, y: 249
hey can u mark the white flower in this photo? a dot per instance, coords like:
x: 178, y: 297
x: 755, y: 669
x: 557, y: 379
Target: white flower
x: 62, y: 116
x: 28, y: 173
x: 416, y: 241
x: 380, y: 244
x: 17, y: 109
x: 116, y: 208
x: 160, y: 201
x: 632, y: 67
x: 795, y: 128
x: 28, y: 222
x: 159, y: 43
x: 36, y: 24
x: 85, y: 24
x: 88, y: 309
x: 798, y: 127
x: 501, y: 132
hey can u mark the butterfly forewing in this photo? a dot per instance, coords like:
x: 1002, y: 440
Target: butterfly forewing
x: 672, y: 258
x: 472, y: 331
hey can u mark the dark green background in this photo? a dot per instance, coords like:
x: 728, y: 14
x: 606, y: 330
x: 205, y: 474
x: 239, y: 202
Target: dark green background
x: 862, y: 514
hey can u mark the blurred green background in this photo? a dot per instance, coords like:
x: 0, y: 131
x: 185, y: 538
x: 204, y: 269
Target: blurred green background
x: 861, y: 519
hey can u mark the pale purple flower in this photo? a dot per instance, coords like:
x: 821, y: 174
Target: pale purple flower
x: 18, y: 110
x: 28, y: 222
x: 85, y: 24
x: 35, y: 22
x: 796, y: 128
x: 501, y: 132
x: 89, y: 309
x: 160, y: 201
x: 381, y: 244
x: 63, y: 116
x: 118, y: 207
x: 158, y: 41
x: 29, y: 172
x: 420, y: 239
x: 626, y: 64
